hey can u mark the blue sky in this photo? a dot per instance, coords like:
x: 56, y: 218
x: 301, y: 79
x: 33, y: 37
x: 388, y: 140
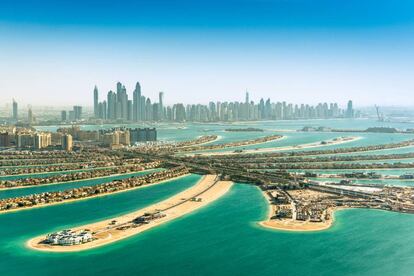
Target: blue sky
x: 54, y: 52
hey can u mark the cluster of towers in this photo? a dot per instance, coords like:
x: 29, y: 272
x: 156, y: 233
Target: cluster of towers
x: 117, y: 106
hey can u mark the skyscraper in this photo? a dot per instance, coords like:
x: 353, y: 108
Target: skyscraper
x: 143, y: 108
x: 30, y: 118
x: 95, y: 102
x: 161, y: 106
x: 350, y: 110
x: 179, y: 112
x: 124, y: 103
x: 121, y: 109
x: 63, y: 116
x: 136, y: 105
x: 77, y: 111
x: 130, y: 110
x: 111, y: 102
x: 15, y: 111
x: 67, y: 142
x: 148, y: 110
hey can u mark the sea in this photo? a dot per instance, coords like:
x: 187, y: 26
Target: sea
x: 223, y: 238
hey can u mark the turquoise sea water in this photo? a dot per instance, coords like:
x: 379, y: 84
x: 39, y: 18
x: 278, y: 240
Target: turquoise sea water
x: 380, y: 171
x: 224, y: 237
x: 220, y: 239
x: 393, y: 182
x: 9, y: 193
x: 39, y: 175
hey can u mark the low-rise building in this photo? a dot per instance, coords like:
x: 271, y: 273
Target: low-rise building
x: 69, y: 237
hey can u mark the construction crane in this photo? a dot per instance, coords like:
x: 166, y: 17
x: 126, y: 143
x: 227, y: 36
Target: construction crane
x: 379, y: 115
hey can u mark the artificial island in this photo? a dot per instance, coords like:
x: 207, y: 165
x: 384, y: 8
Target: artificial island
x: 293, y: 178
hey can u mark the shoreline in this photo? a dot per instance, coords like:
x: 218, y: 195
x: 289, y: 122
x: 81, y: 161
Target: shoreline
x: 90, y: 197
x: 209, y: 152
x: 285, y: 148
x: 66, y: 182
x: 291, y: 225
x: 208, y: 189
x: 364, y: 151
x: 205, y: 143
x: 54, y: 172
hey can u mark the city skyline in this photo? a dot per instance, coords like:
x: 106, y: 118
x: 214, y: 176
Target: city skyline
x: 292, y: 50
x: 116, y: 106
x: 119, y: 105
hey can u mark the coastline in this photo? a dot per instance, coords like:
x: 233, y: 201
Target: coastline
x: 66, y: 182
x: 293, y: 225
x: 207, y: 189
x: 208, y: 152
x: 205, y: 143
x: 90, y: 197
x: 56, y: 172
x: 286, y: 148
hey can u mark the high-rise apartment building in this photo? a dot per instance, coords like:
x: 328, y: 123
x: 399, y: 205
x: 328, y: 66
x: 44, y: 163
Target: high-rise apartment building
x: 30, y: 118
x: 67, y: 142
x: 77, y: 113
x: 350, y: 110
x: 161, y: 106
x: 15, y: 111
x: 63, y: 116
x: 96, y: 102
x: 136, y: 103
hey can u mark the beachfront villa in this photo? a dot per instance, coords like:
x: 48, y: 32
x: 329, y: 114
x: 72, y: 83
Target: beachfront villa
x: 69, y: 237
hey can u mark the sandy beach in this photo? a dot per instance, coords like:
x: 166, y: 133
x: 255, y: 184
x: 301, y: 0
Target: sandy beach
x: 207, y: 189
x: 336, y: 141
x: 293, y: 225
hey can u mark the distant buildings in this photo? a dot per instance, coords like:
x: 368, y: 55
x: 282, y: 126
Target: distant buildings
x: 143, y: 135
x: 33, y: 140
x: 4, y: 139
x: 119, y: 108
x: 72, y: 115
x: 136, y: 103
x: 160, y: 107
x: 67, y: 142
x: 42, y: 140
x: 126, y: 136
x: 350, y: 110
x: 77, y: 110
x: 15, y: 114
x: 63, y: 116
x: 96, y: 102
x: 30, y: 117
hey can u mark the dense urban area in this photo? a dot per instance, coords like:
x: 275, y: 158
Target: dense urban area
x: 119, y: 107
